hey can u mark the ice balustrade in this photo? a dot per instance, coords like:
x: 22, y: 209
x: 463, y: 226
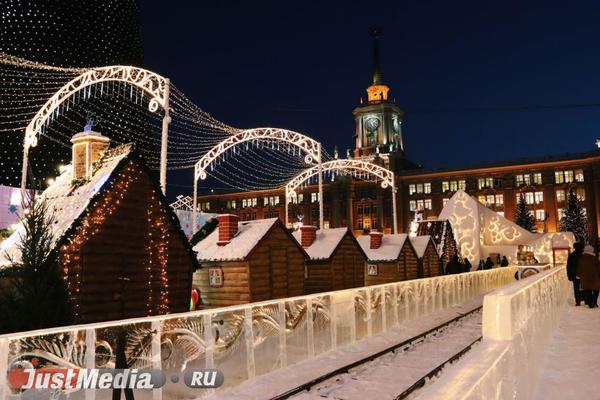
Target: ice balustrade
x: 518, y: 321
x: 242, y: 341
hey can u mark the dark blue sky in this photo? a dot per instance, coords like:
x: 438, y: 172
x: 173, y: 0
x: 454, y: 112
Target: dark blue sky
x: 304, y: 65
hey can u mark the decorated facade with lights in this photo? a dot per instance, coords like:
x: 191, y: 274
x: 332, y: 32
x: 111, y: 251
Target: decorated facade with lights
x: 118, y: 243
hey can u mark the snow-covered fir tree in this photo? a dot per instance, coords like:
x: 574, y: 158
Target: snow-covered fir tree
x: 575, y: 219
x: 523, y: 216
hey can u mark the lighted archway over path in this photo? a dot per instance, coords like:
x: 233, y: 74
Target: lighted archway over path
x: 385, y: 175
x: 157, y: 87
x: 309, y: 146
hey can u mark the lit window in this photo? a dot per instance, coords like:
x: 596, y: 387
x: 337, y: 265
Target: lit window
x: 539, y: 197
x: 579, y: 175
x: 580, y: 194
x: 462, y: 185
x: 314, y: 197
x: 205, y: 206
x: 420, y: 205
x: 540, y: 215
x: 481, y: 199
x: 454, y: 186
x: 560, y: 195
x: 412, y: 205
x: 481, y: 183
x: 419, y: 188
x: 561, y: 213
x: 559, y: 177
x: 427, y: 204
x: 445, y: 186
x: 537, y: 178
x: 411, y: 189
x: 529, y: 198
x: 427, y: 187
x: 519, y: 180
x: 527, y: 179
x: 499, y: 199
x: 231, y: 204
x: 445, y: 201
x: 489, y: 182
x: 568, y: 176
x: 490, y: 199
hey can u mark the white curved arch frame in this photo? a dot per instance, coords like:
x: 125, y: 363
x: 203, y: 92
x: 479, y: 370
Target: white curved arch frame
x: 311, y: 148
x: 156, y: 86
x: 385, y: 175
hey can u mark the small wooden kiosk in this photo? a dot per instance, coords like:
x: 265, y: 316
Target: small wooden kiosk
x: 242, y: 262
x: 336, y: 260
x: 390, y: 258
x: 430, y: 263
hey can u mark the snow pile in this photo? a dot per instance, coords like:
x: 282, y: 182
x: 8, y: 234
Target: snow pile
x: 390, y: 248
x: 326, y: 242
x: 67, y: 202
x: 480, y: 231
x: 250, y: 233
x: 419, y: 243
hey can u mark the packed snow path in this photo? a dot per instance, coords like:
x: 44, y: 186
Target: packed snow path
x: 570, y: 366
x: 280, y: 381
x: 388, y: 376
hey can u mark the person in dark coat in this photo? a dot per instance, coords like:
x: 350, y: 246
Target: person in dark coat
x: 498, y: 261
x: 489, y: 264
x: 504, y: 262
x: 572, y: 271
x: 588, y: 271
x: 481, y: 265
x: 467, y: 265
x: 453, y: 266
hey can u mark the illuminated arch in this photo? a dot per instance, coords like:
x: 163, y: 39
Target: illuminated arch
x: 311, y: 147
x: 385, y: 175
x: 155, y: 85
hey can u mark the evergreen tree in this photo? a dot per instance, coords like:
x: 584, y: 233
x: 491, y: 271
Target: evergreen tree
x: 35, y: 296
x: 575, y: 219
x: 523, y: 216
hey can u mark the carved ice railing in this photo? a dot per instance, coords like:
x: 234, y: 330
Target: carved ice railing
x: 518, y: 321
x: 242, y: 341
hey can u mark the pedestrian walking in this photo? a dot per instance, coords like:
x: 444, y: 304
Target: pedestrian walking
x: 504, y: 262
x: 489, y: 264
x: 588, y: 271
x: 572, y: 271
x: 467, y: 265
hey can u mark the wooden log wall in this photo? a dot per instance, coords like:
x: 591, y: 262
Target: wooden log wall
x: 432, y: 263
x: 235, y: 290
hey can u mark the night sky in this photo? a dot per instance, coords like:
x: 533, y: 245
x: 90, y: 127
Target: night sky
x: 478, y: 81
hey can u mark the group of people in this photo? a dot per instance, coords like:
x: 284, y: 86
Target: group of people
x: 454, y: 266
x: 583, y: 269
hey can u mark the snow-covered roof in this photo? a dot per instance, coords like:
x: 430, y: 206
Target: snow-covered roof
x: 67, y: 202
x: 326, y: 242
x: 420, y: 243
x: 249, y: 234
x: 390, y: 248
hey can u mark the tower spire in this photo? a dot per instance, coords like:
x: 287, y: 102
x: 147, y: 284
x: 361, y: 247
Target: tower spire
x: 375, y: 34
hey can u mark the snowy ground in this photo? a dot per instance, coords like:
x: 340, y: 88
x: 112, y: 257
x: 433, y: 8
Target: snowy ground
x: 391, y: 374
x: 281, y: 381
x: 571, y: 363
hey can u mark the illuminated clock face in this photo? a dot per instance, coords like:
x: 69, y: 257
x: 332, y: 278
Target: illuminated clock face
x: 372, y: 124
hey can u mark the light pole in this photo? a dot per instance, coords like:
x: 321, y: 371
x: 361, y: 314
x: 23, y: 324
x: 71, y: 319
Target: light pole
x: 164, y: 142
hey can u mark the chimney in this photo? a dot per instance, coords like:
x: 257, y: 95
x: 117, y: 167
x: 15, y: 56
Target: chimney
x: 376, y: 238
x: 228, y: 227
x: 88, y: 147
x: 308, y: 234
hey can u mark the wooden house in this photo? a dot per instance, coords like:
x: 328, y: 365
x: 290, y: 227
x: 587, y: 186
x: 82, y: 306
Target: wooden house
x: 390, y: 258
x: 429, y: 263
x: 336, y: 260
x: 115, y: 238
x: 242, y: 262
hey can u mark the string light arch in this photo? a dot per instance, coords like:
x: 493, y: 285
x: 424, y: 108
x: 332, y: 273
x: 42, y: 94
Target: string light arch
x: 361, y: 166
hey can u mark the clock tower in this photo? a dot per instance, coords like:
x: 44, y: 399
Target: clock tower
x: 378, y: 120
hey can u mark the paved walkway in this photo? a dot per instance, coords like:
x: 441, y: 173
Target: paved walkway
x: 571, y: 367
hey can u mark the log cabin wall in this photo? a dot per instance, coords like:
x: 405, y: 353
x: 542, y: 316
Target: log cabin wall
x: 387, y: 272
x: 276, y: 267
x: 430, y: 264
x: 348, y: 264
x: 318, y: 277
x: 408, y: 262
x: 113, y: 280
x: 235, y: 288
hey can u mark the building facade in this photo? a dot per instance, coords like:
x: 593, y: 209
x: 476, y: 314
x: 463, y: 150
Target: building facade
x: 363, y: 205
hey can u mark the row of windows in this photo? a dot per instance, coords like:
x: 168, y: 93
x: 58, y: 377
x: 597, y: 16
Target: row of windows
x: 492, y: 199
x: 566, y: 176
x: 419, y: 205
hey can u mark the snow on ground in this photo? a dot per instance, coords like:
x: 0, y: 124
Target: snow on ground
x: 283, y: 380
x: 393, y: 373
x: 570, y: 365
